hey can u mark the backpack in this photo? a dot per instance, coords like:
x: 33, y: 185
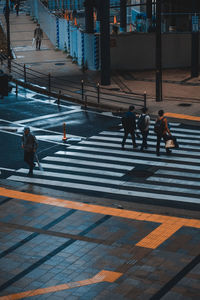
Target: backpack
x: 159, y: 127
x: 141, y: 123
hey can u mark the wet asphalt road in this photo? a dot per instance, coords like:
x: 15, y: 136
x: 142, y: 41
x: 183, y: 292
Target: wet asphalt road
x: 45, y: 118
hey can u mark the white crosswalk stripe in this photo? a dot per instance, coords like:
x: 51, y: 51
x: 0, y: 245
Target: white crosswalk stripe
x: 99, y: 189
x: 153, y: 137
x: 82, y: 170
x: 180, y: 174
x: 129, y: 146
x: 150, y: 142
x: 119, y: 152
x: 99, y: 165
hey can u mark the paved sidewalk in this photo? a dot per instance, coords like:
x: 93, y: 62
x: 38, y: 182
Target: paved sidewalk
x: 181, y: 93
x: 56, y: 248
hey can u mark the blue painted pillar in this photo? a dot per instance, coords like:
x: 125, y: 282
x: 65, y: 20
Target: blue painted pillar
x: 57, y: 33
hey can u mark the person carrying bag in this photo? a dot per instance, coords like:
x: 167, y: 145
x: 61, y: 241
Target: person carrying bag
x: 162, y: 131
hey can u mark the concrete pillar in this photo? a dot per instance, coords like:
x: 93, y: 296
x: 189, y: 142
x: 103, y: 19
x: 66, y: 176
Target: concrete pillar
x: 195, y: 41
x: 158, y: 52
x: 89, y: 20
x: 104, y: 10
x: 123, y: 16
x: 149, y: 15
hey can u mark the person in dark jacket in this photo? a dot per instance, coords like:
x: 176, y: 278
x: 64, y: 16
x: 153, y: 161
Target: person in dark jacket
x: 144, y: 121
x: 164, y: 133
x: 17, y: 4
x: 38, y: 35
x: 129, y: 125
x: 29, y: 144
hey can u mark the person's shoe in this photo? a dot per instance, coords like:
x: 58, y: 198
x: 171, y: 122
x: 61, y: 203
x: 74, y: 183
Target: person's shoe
x: 168, y: 152
x: 30, y: 173
x: 123, y: 148
x: 145, y: 147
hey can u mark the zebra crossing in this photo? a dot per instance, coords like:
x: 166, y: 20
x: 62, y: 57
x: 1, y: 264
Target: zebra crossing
x: 99, y: 165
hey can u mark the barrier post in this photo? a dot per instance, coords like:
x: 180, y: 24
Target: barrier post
x: 64, y: 133
x: 85, y: 102
x: 49, y: 83
x: 82, y: 89
x: 9, y: 64
x: 24, y: 73
x: 145, y: 99
x: 98, y: 93
x: 59, y: 95
x: 16, y: 91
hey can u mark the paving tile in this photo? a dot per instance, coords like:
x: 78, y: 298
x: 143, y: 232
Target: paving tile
x: 173, y: 295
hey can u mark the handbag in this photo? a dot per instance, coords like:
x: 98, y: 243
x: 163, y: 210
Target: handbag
x: 171, y: 143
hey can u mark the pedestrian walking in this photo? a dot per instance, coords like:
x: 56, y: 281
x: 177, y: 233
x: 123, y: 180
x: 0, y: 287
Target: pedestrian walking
x: 143, y: 125
x: 129, y: 125
x: 162, y: 131
x: 12, y: 4
x: 17, y: 7
x: 29, y: 144
x: 38, y: 35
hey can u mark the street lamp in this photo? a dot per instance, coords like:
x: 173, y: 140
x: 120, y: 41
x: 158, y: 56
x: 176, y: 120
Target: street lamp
x: 7, y: 17
x: 158, y: 52
x: 195, y: 42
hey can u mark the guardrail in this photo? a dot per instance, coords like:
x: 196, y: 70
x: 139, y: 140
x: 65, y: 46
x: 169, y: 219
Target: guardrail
x: 60, y: 88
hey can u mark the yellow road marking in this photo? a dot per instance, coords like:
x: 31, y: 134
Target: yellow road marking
x: 170, y: 224
x: 103, y: 276
x: 180, y: 116
x: 159, y: 235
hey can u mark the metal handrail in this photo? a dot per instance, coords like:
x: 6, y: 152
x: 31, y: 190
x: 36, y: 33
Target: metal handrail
x: 71, y: 89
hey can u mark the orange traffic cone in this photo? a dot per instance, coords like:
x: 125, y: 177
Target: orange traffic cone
x: 64, y: 133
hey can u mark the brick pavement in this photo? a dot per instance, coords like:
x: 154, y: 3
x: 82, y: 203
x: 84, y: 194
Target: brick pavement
x: 53, y: 248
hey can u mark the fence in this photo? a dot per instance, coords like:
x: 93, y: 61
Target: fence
x: 60, y: 88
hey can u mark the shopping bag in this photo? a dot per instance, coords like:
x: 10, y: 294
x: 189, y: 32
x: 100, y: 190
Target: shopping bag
x: 33, y: 41
x: 39, y: 164
x: 169, y: 144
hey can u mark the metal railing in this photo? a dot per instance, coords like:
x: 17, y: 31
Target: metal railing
x: 62, y: 88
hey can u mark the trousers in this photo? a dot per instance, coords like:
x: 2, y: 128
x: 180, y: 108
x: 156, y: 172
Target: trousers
x: 159, y: 137
x: 144, y: 139
x: 126, y: 133
x: 29, y: 159
x: 38, y: 43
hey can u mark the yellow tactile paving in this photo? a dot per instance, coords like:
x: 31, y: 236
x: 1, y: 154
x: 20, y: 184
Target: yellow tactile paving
x: 158, y: 236
x: 106, y: 276
x: 181, y: 116
x: 169, y: 224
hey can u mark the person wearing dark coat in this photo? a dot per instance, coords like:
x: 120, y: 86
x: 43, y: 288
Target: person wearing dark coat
x: 17, y: 7
x: 29, y: 144
x: 129, y: 125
